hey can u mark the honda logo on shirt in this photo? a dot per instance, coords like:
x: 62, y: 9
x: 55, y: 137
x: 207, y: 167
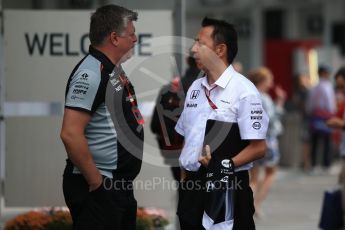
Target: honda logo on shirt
x: 194, y: 94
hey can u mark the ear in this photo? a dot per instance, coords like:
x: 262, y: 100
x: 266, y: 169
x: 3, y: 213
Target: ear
x: 221, y: 50
x: 114, y: 38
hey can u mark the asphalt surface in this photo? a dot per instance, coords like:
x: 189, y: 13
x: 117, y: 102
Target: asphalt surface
x: 294, y: 202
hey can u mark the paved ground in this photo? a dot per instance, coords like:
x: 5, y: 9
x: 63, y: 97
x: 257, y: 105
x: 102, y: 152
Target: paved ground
x: 293, y: 204
x: 295, y: 200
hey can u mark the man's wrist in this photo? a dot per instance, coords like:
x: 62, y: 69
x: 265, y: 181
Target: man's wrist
x: 96, y: 183
x: 231, y: 165
x: 93, y: 187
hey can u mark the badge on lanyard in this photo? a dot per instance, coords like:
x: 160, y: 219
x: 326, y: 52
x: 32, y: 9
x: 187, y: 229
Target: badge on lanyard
x: 137, y: 114
x: 135, y: 110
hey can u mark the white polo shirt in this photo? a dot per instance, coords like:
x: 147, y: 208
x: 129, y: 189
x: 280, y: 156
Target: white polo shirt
x: 237, y: 101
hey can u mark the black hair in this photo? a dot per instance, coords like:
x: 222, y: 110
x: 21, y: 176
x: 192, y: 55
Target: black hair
x: 323, y: 69
x: 340, y: 72
x: 107, y: 19
x: 223, y: 32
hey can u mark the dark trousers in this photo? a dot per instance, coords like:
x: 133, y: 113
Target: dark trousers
x: 185, y: 225
x: 190, y: 207
x: 107, y: 208
x: 176, y: 173
x: 244, y: 203
x: 316, y: 139
x: 191, y: 202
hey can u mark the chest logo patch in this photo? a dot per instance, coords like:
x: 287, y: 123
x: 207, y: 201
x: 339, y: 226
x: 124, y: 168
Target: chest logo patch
x: 191, y: 105
x: 226, y: 102
x: 194, y: 94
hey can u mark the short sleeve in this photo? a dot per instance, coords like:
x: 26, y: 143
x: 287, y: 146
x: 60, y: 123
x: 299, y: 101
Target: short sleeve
x: 179, y: 125
x: 82, y: 90
x: 252, y: 118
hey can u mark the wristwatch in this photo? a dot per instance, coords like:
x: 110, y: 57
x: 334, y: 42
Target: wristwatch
x: 227, y: 167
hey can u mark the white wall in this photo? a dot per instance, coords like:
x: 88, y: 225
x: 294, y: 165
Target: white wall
x: 34, y: 153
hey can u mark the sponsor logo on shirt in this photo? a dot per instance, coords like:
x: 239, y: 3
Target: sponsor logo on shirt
x: 117, y: 89
x: 74, y: 97
x: 256, y: 111
x: 226, y: 102
x: 256, y: 125
x: 114, y: 82
x: 82, y: 83
x: 84, y: 76
x: 81, y: 87
x: 194, y: 94
x: 112, y: 74
x: 256, y: 117
x: 79, y: 91
x: 193, y: 105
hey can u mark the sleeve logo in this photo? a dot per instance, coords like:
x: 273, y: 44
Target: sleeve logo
x: 256, y: 125
x: 226, y: 163
x: 84, y: 76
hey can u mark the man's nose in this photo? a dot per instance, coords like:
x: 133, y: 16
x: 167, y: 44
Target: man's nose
x: 194, y: 48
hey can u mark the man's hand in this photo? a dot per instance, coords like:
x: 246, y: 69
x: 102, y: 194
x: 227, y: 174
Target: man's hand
x: 281, y: 95
x: 342, y: 174
x: 205, y: 158
x: 183, y: 175
x: 96, y: 184
x: 335, y: 122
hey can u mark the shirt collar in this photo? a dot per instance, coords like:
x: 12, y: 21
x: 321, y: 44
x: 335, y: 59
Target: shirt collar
x: 107, y: 64
x: 222, y: 81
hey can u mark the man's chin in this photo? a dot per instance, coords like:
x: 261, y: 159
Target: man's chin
x: 199, y: 65
x: 127, y: 56
x: 124, y: 59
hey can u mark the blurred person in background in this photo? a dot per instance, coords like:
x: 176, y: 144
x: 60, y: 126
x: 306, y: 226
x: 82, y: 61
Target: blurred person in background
x: 336, y: 133
x: 339, y: 122
x: 321, y: 106
x: 263, y: 80
x: 168, y: 108
x: 303, y: 90
x: 238, y: 66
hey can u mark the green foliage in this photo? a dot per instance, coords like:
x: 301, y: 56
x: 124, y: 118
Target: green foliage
x: 144, y: 224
